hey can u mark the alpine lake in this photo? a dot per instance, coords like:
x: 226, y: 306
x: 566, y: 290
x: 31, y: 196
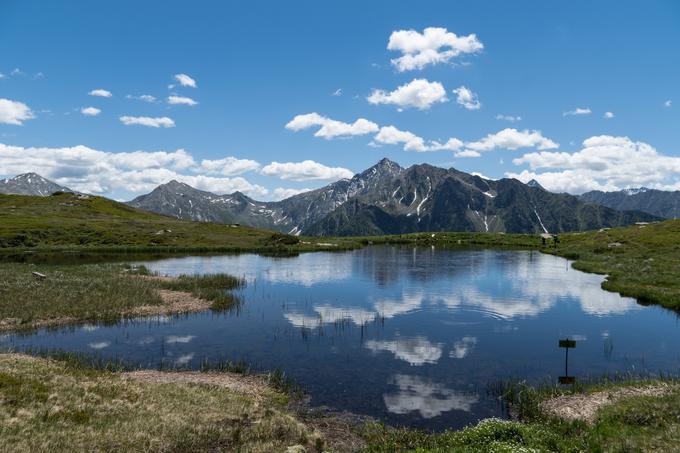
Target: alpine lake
x: 410, y: 336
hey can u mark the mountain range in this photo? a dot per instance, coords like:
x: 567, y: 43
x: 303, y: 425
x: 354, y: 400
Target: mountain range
x: 30, y: 184
x: 656, y: 202
x: 389, y: 199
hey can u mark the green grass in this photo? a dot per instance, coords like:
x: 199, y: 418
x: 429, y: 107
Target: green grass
x: 212, y: 287
x: 630, y: 424
x: 94, y: 292
x: 66, y: 221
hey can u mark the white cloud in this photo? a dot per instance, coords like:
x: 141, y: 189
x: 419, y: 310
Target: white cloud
x: 14, y: 112
x: 467, y: 153
x: 608, y: 115
x: 2, y: 76
x: 390, y: 135
x: 184, y: 359
x: 143, y: 97
x: 181, y: 100
x: 416, y: 351
x: 577, y: 111
x: 418, y: 93
x: 463, y: 347
x: 605, y: 163
x: 433, y: 46
x: 90, y: 111
x: 510, y: 118
x: 99, y: 345
x: 330, y: 128
x: 229, y: 166
x: 17, y: 72
x: 281, y: 193
x: 179, y: 339
x: 511, y: 139
x: 668, y: 103
x: 307, y: 170
x: 185, y: 80
x: 100, y: 93
x: 481, y: 175
x: 147, y: 121
x: 337, y: 92
x: 129, y: 173
x: 428, y: 398
x: 466, y: 98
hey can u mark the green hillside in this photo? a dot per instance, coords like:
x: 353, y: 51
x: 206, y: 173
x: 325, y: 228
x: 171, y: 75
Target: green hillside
x: 68, y: 220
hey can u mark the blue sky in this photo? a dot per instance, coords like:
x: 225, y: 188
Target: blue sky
x: 258, y: 65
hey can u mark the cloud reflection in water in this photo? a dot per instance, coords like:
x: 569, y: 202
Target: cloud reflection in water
x: 428, y: 398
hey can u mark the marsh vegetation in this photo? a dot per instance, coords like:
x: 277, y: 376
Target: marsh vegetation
x: 102, y: 293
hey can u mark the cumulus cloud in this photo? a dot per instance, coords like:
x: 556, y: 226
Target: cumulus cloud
x: 418, y: 93
x: 99, y: 92
x: 510, y: 118
x: 14, y: 112
x: 181, y: 100
x: 604, y: 163
x: 337, y: 92
x: 185, y: 80
x: 577, y: 111
x: 131, y: 173
x: 608, y: 115
x: 281, y: 193
x: 390, y: 135
x: 668, y: 103
x: 143, y: 97
x: 90, y: 111
x: 147, y: 121
x: 416, y: 351
x: 467, y: 153
x: 433, y: 46
x: 229, y: 166
x: 512, y: 139
x: 329, y: 128
x: 466, y: 98
x: 307, y: 170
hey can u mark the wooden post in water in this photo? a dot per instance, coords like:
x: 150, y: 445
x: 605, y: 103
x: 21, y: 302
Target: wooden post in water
x: 567, y: 344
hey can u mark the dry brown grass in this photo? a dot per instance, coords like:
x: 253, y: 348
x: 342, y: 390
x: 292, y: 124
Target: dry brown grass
x: 46, y: 405
x: 585, y: 406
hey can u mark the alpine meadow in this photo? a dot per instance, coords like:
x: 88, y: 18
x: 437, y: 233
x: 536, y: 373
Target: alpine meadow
x: 344, y: 227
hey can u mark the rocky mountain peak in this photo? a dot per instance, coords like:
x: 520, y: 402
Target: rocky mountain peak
x: 30, y: 184
x: 385, y: 165
x: 534, y: 183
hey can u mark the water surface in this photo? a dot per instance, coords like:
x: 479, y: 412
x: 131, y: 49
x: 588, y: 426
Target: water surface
x: 409, y: 335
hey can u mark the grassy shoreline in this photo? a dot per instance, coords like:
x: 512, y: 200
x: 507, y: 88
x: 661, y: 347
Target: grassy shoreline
x: 63, y: 404
x: 102, y: 293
